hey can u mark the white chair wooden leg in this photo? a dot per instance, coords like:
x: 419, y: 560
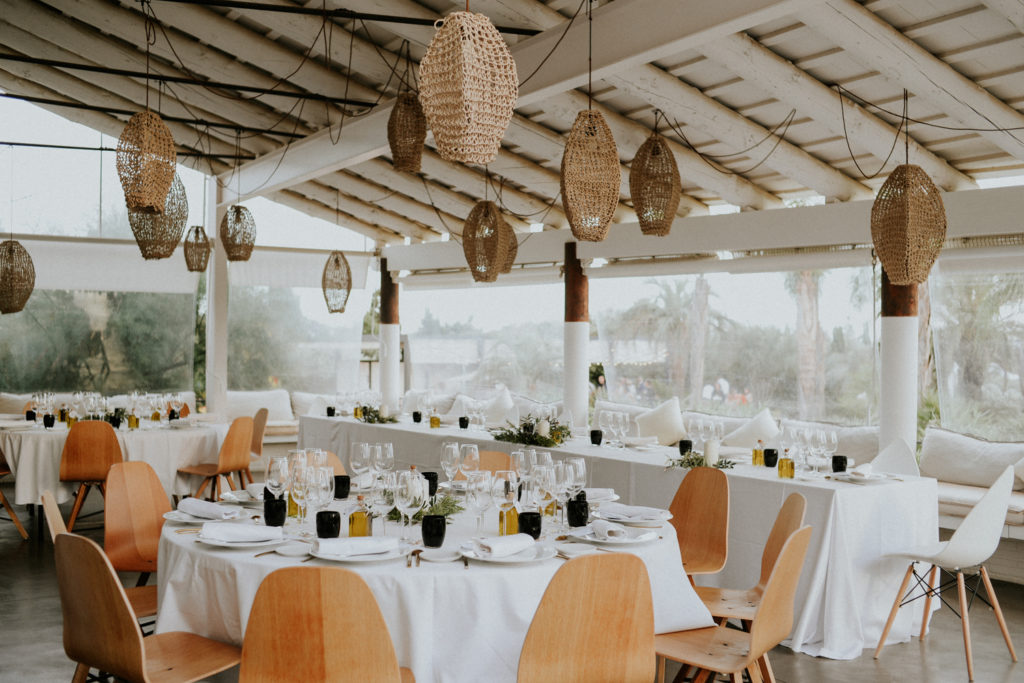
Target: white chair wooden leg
x: 928, y: 602
x: 895, y: 609
x: 999, y: 613
x: 965, y: 624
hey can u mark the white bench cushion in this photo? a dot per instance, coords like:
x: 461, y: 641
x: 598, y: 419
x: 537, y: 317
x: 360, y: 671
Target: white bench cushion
x: 961, y: 459
x: 959, y: 499
x: 245, y: 404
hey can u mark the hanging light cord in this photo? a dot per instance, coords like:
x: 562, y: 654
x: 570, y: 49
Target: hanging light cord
x: 590, y: 54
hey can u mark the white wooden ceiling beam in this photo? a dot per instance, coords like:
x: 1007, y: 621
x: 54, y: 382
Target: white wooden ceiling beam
x: 315, y: 209
x: 367, y: 213
x: 778, y: 77
x: 447, y: 201
x: 1011, y: 10
x: 877, y: 45
x: 391, y: 199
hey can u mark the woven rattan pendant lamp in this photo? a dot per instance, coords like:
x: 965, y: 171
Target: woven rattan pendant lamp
x: 17, y: 276
x: 145, y: 162
x: 158, y: 234
x: 655, y: 186
x: 197, y: 249
x: 468, y: 88
x: 488, y: 242
x: 908, y: 225
x: 238, y: 233
x: 336, y: 282
x: 407, y: 126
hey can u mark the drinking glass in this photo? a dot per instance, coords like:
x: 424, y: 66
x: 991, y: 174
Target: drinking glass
x: 324, y: 486
x: 533, y: 492
x: 410, y: 496
x: 518, y: 459
x: 831, y: 443
x: 298, y: 484
x: 384, y: 457
x: 579, y: 480
x: 544, y: 459
x: 359, y: 458
x: 547, y: 483
x: 479, y: 495
x: 317, y: 457
x: 606, y: 422
x: 469, y: 458
x: 382, y: 499
x: 504, y: 490
x: 277, y: 475
x: 450, y: 461
x: 622, y: 422
x: 375, y: 459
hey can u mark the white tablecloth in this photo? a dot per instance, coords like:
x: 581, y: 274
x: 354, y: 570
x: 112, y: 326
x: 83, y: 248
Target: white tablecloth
x: 846, y: 588
x: 34, y: 456
x: 448, y: 623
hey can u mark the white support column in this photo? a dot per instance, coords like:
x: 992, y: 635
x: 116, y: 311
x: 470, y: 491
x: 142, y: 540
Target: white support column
x: 577, y: 372
x: 897, y: 405
x: 390, y: 366
x: 217, y: 308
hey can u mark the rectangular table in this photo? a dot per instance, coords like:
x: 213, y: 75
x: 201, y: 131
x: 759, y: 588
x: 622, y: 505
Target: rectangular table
x: 847, y: 585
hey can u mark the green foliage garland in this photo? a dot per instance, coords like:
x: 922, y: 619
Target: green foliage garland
x: 691, y: 460
x: 527, y: 435
x: 372, y: 416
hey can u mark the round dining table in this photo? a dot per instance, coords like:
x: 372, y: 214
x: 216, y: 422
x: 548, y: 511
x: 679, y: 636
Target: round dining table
x: 449, y: 621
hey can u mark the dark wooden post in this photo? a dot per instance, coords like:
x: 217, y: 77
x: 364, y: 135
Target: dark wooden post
x: 388, y: 296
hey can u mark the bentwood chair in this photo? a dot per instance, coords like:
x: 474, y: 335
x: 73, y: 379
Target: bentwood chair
x: 91, y: 448
x: 297, y: 633
x: 594, y: 623
x: 100, y: 631
x: 971, y: 545
x: 141, y: 598
x: 700, y: 516
x: 134, y: 516
x: 259, y: 427
x: 490, y: 461
x: 896, y: 458
x: 335, y: 462
x: 5, y: 470
x: 233, y: 459
x: 720, y: 649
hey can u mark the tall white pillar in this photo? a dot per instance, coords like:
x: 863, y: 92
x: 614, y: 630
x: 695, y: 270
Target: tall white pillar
x: 576, y: 341
x: 897, y: 404
x: 216, y: 308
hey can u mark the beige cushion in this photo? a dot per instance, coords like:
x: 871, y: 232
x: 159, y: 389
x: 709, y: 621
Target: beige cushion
x: 761, y: 427
x: 13, y: 403
x: 305, y: 403
x: 246, y: 403
x: 959, y: 499
x: 281, y: 428
x: 664, y: 422
x: 500, y: 410
x: 961, y: 459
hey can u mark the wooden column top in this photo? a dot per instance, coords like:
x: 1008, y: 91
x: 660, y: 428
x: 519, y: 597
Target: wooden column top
x: 898, y: 301
x: 577, y: 289
x: 388, y: 296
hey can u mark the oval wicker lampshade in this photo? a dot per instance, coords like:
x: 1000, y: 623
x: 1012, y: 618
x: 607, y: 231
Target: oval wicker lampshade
x: 908, y: 225
x: 159, y: 233
x: 145, y: 162
x: 654, y: 186
x: 590, y: 177
x: 17, y: 276
x: 238, y: 233
x: 407, y: 130
x: 336, y: 282
x: 197, y: 249
x: 468, y: 88
x: 513, y: 251
x: 487, y: 241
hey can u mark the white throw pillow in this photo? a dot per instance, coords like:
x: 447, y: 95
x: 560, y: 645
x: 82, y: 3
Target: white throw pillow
x: 459, y: 408
x: 499, y: 409
x: 664, y: 422
x: 961, y: 459
x: 13, y: 403
x: 762, y: 426
x: 415, y: 399
x: 245, y: 404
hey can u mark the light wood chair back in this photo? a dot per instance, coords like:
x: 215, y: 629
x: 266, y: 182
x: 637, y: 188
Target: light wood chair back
x: 335, y: 462
x: 100, y: 630
x: 317, y: 624
x: 700, y: 516
x: 774, y: 617
x: 594, y: 623
x: 259, y: 427
x: 234, y: 452
x: 789, y: 519
x: 490, y: 461
x: 53, y: 517
x: 134, y: 510
x: 89, y: 451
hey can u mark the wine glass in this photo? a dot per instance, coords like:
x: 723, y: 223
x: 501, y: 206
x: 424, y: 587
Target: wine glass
x: 382, y: 498
x: 579, y: 480
x: 605, y: 423
x: 277, y: 475
x: 547, y: 483
x: 831, y: 444
x: 479, y: 495
x: 317, y: 457
x: 450, y: 461
x: 384, y: 457
x: 533, y: 491
x: 321, y: 487
x: 504, y: 491
x: 298, y: 485
x: 565, y: 478
x: 470, y: 458
x: 375, y: 459
x: 359, y: 460
x: 410, y: 496
x: 622, y: 424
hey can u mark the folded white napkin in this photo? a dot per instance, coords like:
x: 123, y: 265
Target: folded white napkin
x: 240, y: 533
x: 599, y: 494
x: 605, y: 530
x: 634, y: 441
x: 255, y: 490
x: 502, y: 546
x: 207, y: 510
x: 863, y: 471
x: 363, y: 545
x: 633, y: 513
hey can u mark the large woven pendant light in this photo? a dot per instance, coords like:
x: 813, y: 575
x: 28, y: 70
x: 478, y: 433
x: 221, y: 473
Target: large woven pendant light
x: 197, y: 249
x: 336, y: 282
x: 407, y: 130
x: 145, y: 162
x: 159, y: 233
x: 238, y: 233
x: 908, y: 225
x: 486, y: 241
x: 17, y: 276
x: 654, y: 186
x: 590, y: 177
x: 513, y: 251
x: 468, y: 88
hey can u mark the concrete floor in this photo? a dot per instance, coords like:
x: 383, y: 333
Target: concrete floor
x: 31, y: 648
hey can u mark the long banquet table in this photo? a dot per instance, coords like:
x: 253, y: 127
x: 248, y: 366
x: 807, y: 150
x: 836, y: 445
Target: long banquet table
x: 448, y: 623
x: 847, y: 584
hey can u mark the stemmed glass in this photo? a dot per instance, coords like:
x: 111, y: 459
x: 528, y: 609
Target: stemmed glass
x: 831, y: 444
x: 316, y: 457
x: 384, y: 458
x: 579, y: 479
x: 410, y: 496
x: 504, y: 490
x: 450, y: 461
x: 321, y: 487
x: 622, y: 422
x: 382, y: 498
x: 299, y: 486
x: 469, y: 458
x: 359, y: 459
x: 547, y: 483
x: 277, y: 475
x: 479, y: 495
x: 605, y: 422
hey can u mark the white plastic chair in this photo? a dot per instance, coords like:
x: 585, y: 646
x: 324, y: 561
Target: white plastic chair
x: 896, y: 458
x: 971, y: 545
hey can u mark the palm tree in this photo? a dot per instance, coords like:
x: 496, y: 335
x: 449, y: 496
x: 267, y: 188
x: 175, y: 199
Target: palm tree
x: 810, y: 344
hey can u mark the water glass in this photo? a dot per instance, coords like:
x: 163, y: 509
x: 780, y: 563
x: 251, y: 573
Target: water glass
x: 410, y: 496
x: 469, y: 458
x: 450, y: 460
x: 479, y: 495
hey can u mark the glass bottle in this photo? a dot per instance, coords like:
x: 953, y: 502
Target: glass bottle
x: 786, y: 468
x: 435, y: 419
x: 359, y: 520
x: 757, y: 459
x: 357, y: 412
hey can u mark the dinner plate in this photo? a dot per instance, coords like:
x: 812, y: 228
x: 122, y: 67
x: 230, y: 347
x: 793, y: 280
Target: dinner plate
x: 240, y: 498
x: 240, y: 545
x: 874, y: 479
x: 293, y: 549
x: 634, y: 536
x: 643, y: 523
x: 606, y: 499
x: 440, y: 555
x: 536, y: 553
x: 395, y: 554
x: 185, y: 518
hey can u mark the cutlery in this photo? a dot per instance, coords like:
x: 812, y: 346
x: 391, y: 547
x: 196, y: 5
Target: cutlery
x: 265, y: 552
x: 465, y: 561
x: 308, y: 559
x: 417, y: 553
x: 187, y: 531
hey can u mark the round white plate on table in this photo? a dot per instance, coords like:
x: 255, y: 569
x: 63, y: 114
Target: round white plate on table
x: 294, y: 549
x: 240, y: 545
x: 440, y: 555
x: 643, y: 523
x: 395, y: 554
x: 857, y: 479
x: 184, y: 518
x: 240, y: 498
x: 605, y: 499
x: 536, y: 553
x: 634, y: 536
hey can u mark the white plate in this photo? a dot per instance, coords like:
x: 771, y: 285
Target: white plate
x: 240, y: 545
x: 643, y: 523
x: 536, y: 553
x: 608, y: 499
x: 634, y: 536
x: 440, y: 555
x: 293, y: 549
x: 867, y: 481
x: 184, y: 518
x: 240, y: 498
x: 395, y: 554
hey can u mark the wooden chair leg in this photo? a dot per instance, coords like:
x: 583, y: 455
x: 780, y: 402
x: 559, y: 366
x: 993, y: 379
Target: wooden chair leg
x: 81, y: 674
x: 216, y: 488
x: 894, y: 610
x: 965, y: 623
x: 17, y: 522
x: 661, y: 670
x: 736, y: 677
x: 202, y: 487
x: 765, y: 666
x: 928, y: 602
x: 754, y: 672
x: 231, y: 482
x: 83, y: 491
x: 248, y: 476
x: 684, y: 674
x: 999, y: 613
x: 702, y: 676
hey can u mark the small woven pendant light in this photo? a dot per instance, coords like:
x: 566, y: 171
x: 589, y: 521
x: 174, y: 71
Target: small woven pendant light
x: 468, y: 88
x: 513, y: 250
x: 407, y: 130
x: 336, y: 282
x: 238, y: 233
x: 590, y: 177
x: 486, y: 241
x: 145, y: 162
x: 197, y: 249
x: 654, y: 186
x: 159, y: 233
x: 908, y: 225
x: 17, y: 276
